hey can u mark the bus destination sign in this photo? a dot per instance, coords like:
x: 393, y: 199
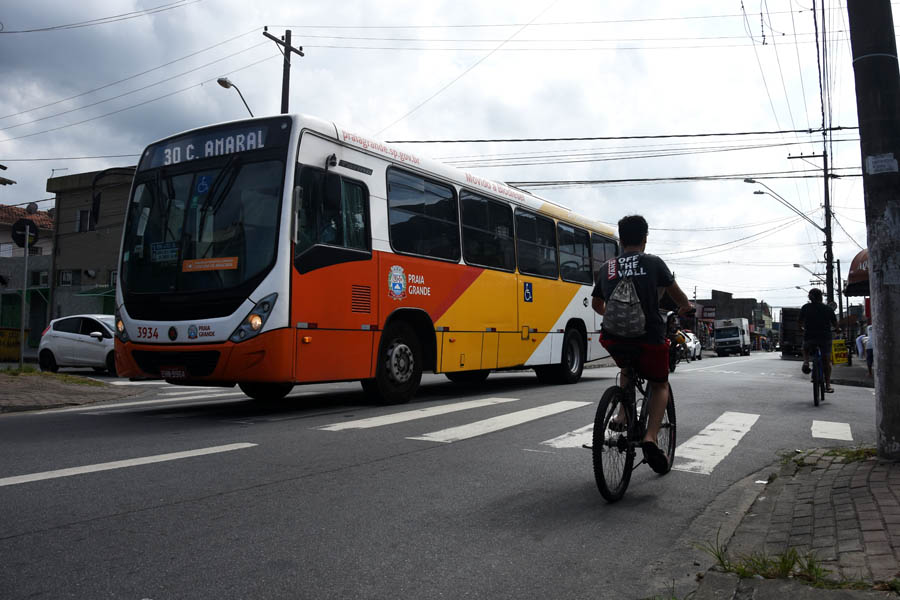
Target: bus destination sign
x: 220, y: 141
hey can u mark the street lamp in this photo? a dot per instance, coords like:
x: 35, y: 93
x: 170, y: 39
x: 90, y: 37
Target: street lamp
x: 829, y: 273
x: 226, y: 83
x: 816, y: 275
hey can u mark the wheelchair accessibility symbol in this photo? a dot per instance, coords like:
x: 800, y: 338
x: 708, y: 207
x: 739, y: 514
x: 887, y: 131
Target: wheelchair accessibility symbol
x: 203, y: 184
x: 528, y: 292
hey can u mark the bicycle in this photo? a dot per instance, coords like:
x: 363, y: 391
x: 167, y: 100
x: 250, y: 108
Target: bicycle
x: 818, y: 376
x: 615, y: 442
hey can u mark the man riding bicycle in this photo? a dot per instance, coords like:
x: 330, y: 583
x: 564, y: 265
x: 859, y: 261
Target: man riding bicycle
x: 817, y: 320
x: 651, y: 278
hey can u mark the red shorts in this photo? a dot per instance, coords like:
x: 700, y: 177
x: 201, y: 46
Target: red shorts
x: 652, y: 363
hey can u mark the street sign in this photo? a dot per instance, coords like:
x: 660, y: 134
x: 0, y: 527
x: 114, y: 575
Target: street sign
x: 18, y: 232
x: 839, y: 352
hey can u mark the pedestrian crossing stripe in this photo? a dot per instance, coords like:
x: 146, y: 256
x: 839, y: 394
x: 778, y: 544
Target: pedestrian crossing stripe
x: 704, y: 451
x: 462, y: 432
x: 411, y: 415
x: 831, y: 431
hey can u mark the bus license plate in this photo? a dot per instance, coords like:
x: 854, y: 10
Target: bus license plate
x: 173, y: 372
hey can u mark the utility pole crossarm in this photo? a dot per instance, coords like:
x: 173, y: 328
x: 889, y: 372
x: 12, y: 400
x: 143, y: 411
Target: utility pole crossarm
x: 287, y: 49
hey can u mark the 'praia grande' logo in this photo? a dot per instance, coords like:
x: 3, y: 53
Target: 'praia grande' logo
x: 397, y: 283
x: 192, y: 332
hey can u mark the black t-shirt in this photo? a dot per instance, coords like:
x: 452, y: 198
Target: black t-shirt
x: 817, y: 319
x: 649, y: 273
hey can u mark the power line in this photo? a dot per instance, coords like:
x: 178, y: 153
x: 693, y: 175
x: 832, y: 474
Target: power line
x: 463, y: 74
x: 551, y: 23
x: 611, y: 137
x: 732, y: 176
x: 134, y: 91
x: 109, y: 19
x: 97, y: 89
x: 133, y: 105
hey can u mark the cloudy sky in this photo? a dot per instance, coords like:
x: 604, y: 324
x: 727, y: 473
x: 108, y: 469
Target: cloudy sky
x: 88, y: 84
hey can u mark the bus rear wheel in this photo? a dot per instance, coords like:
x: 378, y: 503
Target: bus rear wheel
x: 399, y: 368
x: 266, y: 391
x: 569, y: 369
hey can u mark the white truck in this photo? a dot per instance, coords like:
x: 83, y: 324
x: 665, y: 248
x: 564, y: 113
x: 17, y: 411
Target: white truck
x: 732, y: 337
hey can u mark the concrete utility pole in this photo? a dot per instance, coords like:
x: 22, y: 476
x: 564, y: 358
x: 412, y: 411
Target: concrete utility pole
x: 286, y: 49
x: 878, y: 109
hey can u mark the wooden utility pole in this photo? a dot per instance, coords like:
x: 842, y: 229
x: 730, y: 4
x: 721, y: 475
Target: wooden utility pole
x: 875, y: 69
x: 286, y: 49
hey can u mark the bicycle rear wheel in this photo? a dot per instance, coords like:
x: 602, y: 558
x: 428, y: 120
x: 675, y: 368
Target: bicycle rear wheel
x: 818, y: 384
x: 612, y: 453
x: 666, y: 437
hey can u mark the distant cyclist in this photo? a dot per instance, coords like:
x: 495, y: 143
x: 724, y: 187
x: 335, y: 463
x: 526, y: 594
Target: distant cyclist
x: 817, y: 321
x: 651, y: 278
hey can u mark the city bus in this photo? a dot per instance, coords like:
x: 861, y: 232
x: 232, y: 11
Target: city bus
x: 278, y: 251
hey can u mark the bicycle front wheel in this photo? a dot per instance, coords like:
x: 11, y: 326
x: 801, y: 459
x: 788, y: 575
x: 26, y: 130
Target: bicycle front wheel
x: 612, y: 452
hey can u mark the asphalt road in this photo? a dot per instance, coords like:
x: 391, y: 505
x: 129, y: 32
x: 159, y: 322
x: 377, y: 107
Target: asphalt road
x: 464, y: 493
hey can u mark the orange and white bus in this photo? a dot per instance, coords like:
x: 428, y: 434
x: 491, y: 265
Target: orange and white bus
x: 285, y: 250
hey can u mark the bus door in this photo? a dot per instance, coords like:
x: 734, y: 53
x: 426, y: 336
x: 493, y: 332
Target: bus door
x: 334, y: 304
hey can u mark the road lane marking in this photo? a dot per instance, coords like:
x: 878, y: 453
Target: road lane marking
x: 573, y: 439
x: 704, y: 451
x: 121, y: 464
x: 718, y: 365
x: 411, y: 415
x: 152, y: 382
x: 462, y: 432
x: 831, y: 430
x: 196, y: 390
x: 118, y: 405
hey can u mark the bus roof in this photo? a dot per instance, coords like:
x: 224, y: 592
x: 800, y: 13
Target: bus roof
x: 460, y: 177
x: 430, y: 166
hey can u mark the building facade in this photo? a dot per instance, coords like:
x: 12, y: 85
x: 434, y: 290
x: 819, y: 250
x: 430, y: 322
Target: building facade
x: 90, y: 209
x: 13, y: 279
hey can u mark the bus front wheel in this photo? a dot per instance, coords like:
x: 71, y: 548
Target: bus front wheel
x: 266, y: 391
x: 399, y: 368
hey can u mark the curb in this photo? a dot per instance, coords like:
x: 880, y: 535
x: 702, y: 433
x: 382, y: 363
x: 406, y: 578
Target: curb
x: 686, y: 565
x: 853, y: 382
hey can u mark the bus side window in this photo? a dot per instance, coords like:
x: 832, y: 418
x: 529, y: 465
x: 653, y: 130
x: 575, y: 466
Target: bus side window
x: 311, y: 187
x: 331, y: 210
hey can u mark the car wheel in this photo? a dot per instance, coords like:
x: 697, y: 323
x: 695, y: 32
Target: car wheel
x: 47, y: 361
x: 111, y: 364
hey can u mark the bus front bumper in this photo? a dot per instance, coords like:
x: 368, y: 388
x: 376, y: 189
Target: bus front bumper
x: 266, y: 357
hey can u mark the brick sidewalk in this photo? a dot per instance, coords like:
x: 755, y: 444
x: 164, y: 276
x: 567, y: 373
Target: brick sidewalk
x: 846, y: 512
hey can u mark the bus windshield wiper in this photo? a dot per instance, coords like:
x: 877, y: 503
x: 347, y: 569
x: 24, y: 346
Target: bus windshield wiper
x: 230, y: 170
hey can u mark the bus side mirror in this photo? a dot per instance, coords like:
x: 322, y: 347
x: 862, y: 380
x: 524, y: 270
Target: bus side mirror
x: 333, y: 190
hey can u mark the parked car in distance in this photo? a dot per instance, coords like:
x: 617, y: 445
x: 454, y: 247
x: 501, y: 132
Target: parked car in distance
x: 79, y: 341
x: 695, y: 350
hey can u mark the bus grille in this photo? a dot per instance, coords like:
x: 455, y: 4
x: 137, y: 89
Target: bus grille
x: 361, y: 299
x: 196, y: 364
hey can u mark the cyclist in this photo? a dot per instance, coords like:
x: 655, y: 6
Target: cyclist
x: 817, y: 320
x: 651, y: 278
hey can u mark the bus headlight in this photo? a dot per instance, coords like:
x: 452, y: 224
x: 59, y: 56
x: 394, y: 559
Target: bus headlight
x: 255, y: 319
x: 121, y: 333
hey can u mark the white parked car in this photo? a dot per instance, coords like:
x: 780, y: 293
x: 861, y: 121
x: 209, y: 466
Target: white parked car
x: 695, y: 350
x: 79, y: 341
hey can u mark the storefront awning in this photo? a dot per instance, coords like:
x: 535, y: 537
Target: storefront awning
x: 106, y: 292
x: 858, y: 277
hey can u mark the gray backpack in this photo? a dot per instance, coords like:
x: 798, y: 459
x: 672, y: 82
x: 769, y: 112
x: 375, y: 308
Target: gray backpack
x: 624, y: 315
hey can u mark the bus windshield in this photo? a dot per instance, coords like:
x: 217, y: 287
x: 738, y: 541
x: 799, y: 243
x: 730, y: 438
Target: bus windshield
x: 726, y: 332
x: 204, y: 221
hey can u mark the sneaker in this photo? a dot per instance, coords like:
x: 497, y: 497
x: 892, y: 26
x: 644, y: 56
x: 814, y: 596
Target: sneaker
x: 805, y: 368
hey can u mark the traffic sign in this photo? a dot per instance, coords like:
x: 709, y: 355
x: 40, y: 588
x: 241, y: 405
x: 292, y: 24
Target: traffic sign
x: 18, y: 232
